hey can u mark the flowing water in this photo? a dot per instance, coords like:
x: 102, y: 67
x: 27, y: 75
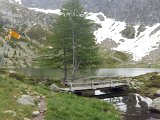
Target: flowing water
x: 132, y: 106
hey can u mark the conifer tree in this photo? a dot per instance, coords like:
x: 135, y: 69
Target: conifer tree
x: 73, y: 42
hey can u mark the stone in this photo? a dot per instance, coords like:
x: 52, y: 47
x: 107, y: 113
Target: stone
x: 26, y: 119
x: 55, y: 88
x: 155, y: 105
x: 43, y: 97
x: 35, y: 113
x: 157, y: 93
x: 28, y: 97
x: 26, y: 100
x: 10, y: 112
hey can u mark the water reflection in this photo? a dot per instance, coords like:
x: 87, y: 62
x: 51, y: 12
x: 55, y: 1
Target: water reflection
x: 133, y: 106
x: 128, y: 72
x: 109, y: 72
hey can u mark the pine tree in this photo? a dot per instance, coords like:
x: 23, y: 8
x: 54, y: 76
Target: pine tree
x: 73, y: 41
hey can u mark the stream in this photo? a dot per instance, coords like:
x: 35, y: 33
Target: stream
x: 132, y: 106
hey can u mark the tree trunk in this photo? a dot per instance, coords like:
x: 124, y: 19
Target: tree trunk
x: 65, y: 65
x: 74, y: 57
x: 65, y: 73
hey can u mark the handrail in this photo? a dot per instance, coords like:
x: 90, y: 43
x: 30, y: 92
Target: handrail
x: 92, y: 84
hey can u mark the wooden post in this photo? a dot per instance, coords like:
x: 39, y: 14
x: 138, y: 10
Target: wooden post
x: 71, y: 86
x: 110, y: 83
x: 92, y: 84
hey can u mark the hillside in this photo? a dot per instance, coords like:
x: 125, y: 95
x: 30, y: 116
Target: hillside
x: 23, y: 101
x: 115, y: 27
x: 33, y: 26
x: 131, y: 11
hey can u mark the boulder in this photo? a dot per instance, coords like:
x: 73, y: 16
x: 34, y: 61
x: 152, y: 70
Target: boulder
x: 35, y: 113
x: 26, y: 119
x: 157, y: 93
x: 26, y: 100
x: 155, y: 105
x: 55, y: 88
x: 10, y: 112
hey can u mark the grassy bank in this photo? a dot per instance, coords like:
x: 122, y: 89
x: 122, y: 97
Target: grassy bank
x: 59, y: 106
x: 71, y: 107
x: 150, y: 83
x: 10, y: 91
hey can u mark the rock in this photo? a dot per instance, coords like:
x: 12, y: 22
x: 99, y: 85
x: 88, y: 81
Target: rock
x: 35, y: 113
x: 55, y: 88
x: 155, y: 105
x: 10, y: 112
x: 26, y: 119
x: 26, y: 100
x: 43, y: 97
x: 28, y: 97
x: 157, y: 93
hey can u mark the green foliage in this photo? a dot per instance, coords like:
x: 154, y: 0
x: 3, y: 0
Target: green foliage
x: 111, y: 58
x: 71, y: 107
x: 1, y: 26
x: 151, y: 83
x: 128, y: 32
x: 124, y: 57
x: 72, y: 29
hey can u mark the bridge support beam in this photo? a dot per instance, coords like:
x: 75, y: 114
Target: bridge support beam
x: 86, y: 93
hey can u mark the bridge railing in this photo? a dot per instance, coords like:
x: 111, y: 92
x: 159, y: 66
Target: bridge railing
x: 93, y: 84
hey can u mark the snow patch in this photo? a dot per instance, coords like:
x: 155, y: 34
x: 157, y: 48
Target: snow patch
x: 139, y: 47
x: 10, y: 1
x: 57, y: 11
x: 19, y: 1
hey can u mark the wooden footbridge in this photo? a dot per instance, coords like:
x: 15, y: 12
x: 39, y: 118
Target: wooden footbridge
x: 96, y: 85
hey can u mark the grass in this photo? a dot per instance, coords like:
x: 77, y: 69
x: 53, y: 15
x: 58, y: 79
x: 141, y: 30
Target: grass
x: 10, y: 91
x: 60, y: 106
x: 151, y: 83
x: 71, y: 107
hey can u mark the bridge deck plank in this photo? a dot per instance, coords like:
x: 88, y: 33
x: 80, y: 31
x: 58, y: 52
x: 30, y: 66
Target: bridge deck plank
x: 93, y: 87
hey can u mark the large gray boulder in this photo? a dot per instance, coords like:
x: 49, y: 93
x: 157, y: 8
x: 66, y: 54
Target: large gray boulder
x: 55, y: 88
x: 26, y: 100
x: 155, y: 105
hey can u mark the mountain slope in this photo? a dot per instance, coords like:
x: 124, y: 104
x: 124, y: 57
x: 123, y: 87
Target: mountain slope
x: 131, y: 11
x: 33, y: 26
x: 138, y: 40
x: 128, y: 26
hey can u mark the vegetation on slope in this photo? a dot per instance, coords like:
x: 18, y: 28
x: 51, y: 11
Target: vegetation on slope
x: 111, y: 58
x: 60, y: 106
x: 71, y: 107
x: 150, y: 83
x: 10, y: 90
